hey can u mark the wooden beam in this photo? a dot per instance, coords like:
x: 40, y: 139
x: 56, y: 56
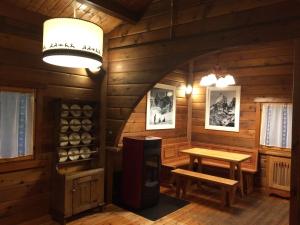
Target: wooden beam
x: 190, y: 80
x: 114, y: 9
x: 295, y: 178
x: 272, y: 100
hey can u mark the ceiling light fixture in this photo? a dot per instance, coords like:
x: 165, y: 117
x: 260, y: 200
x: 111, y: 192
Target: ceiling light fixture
x: 72, y: 42
x: 212, y: 79
x: 208, y: 80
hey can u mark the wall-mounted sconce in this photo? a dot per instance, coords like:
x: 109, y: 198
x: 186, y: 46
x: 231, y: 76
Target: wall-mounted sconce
x: 188, y: 89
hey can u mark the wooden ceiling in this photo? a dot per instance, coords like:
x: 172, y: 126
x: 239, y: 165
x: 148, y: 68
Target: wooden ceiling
x: 106, y: 13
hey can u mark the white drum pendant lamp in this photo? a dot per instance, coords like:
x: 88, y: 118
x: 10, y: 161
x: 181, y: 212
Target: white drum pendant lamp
x: 72, y: 42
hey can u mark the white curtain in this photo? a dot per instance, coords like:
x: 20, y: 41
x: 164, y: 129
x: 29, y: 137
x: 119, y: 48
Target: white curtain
x: 276, y: 125
x: 16, y: 124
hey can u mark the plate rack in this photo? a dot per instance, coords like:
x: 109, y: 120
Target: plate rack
x: 76, y: 133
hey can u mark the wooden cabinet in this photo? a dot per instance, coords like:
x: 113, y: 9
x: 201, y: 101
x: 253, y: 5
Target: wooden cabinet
x: 275, y: 170
x: 278, y: 175
x: 76, y: 192
x: 78, y: 176
x: 87, y: 192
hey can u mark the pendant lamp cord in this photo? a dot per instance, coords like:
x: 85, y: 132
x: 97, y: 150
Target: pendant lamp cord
x: 74, y: 8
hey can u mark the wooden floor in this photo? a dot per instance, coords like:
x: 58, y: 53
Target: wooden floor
x: 204, y: 209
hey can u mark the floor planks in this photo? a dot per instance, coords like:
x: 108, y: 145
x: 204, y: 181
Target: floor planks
x: 254, y: 209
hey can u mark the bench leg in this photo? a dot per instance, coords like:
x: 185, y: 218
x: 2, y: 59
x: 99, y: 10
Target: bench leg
x: 184, y: 186
x: 231, y: 196
x: 223, y: 196
x: 249, y: 181
x: 177, y: 186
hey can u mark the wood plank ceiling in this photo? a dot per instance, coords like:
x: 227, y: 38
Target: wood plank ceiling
x: 65, y: 8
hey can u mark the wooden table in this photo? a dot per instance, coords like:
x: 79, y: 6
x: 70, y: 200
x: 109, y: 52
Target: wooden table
x: 234, y: 159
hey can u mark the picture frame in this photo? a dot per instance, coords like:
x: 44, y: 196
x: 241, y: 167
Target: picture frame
x: 222, y: 111
x: 161, y: 107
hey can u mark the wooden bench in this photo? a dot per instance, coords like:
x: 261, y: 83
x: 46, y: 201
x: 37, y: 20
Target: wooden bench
x: 228, y: 186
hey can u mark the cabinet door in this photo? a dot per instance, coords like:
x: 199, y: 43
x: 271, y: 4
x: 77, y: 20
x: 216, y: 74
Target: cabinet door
x: 87, y: 192
x: 97, y: 189
x: 82, y: 194
x: 279, y: 173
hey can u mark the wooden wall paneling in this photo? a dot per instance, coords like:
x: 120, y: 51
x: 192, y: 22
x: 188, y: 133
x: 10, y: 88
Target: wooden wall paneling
x: 25, y: 184
x: 269, y: 84
x: 173, y: 139
x: 148, y: 56
x: 295, y: 157
x: 11, y: 11
x: 190, y: 18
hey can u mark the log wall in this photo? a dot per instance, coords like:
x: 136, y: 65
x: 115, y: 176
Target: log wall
x: 141, y: 54
x: 262, y: 71
x: 25, y: 185
x: 173, y: 139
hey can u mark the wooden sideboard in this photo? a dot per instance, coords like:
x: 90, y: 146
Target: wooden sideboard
x: 78, y: 176
x: 76, y: 192
x: 275, y: 171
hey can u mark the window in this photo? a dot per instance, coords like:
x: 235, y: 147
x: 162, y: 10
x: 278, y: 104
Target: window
x: 276, y: 125
x: 16, y: 122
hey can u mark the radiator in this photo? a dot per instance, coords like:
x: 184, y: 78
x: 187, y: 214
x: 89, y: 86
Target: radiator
x: 279, y: 173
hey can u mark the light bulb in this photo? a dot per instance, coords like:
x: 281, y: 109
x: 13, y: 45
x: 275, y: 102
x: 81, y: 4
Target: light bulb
x: 188, y: 89
x: 208, y: 80
x: 221, y: 82
x: 229, y: 79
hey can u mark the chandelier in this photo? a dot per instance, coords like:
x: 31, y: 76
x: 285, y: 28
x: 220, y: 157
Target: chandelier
x: 72, y: 42
x: 222, y: 81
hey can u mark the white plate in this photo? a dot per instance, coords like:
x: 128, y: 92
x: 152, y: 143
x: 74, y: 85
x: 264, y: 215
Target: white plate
x: 64, y: 125
x: 75, y: 110
x: 63, y: 140
x: 75, y: 125
x: 88, y: 110
x: 86, y: 138
x: 74, y: 139
x: 86, y: 124
x: 64, y: 113
x: 85, y: 152
x: 73, y: 154
x: 63, y: 155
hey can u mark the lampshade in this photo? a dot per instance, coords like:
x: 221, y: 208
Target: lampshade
x: 208, y: 80
x: 229, y: 79
x: 72, y: 42
x: 221, y: 82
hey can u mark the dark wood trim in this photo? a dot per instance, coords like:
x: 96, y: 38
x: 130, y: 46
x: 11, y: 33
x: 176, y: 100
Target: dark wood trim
x: 272, y: 100
x: 274, y: 151
x: 21, y: 165
x: 257, y: 124
x: 114, y: 9
x: 190, y: 79
x: 295, y: 181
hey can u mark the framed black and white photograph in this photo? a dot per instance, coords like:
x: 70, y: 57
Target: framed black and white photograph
x: 223, y: 108
x: 161, y: 107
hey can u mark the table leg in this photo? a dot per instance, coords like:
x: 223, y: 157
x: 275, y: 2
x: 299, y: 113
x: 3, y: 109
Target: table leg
x: 191, y: 165
x: 199, y: 164
x: 199, y: 169
x: 232, y: 171
x: 192, y: 159
x: 240, y: 175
